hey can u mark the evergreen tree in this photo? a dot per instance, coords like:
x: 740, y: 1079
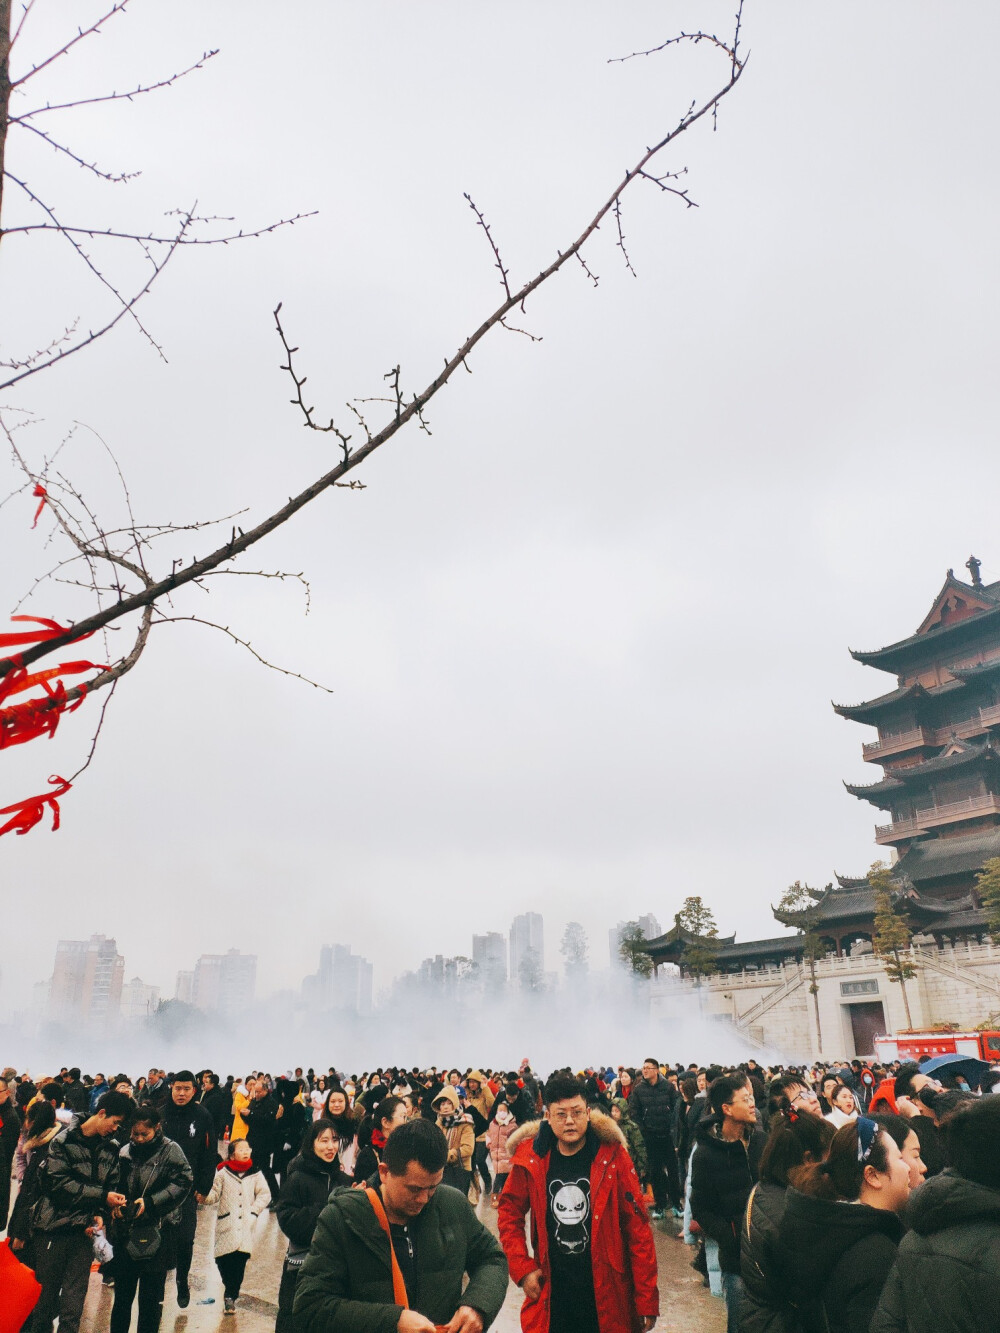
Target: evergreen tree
x: 631, y: 950
x: 802, y: 910
x: 988, y: 888
x: 530, y: 976
x: 574, y: 951
x: 697, y: 920
x: 891, y: 941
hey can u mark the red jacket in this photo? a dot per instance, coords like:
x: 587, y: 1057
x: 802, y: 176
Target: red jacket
x: 621, y: 1241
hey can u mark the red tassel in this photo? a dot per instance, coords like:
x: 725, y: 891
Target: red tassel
x: 40, y: 493
x: 29, y: 812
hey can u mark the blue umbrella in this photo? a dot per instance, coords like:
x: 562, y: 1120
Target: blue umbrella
x: 964, y: 1066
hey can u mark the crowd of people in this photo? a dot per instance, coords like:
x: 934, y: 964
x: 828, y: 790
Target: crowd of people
x: 850, y: 1198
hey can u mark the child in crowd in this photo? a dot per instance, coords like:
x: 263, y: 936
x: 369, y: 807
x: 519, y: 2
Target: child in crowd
x: 240, y: 1194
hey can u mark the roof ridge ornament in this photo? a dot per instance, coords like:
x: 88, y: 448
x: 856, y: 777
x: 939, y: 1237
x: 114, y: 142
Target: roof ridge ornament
x: 973, y: 566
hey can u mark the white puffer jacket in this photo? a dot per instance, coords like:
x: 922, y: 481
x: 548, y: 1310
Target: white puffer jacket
x: 240, y: 1199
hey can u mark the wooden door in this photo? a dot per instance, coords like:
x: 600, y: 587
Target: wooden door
x: 867, y: 1022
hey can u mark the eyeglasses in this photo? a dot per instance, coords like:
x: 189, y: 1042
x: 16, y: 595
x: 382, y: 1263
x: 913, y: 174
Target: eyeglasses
x: 804, y: 1096
x: 567, y: 1117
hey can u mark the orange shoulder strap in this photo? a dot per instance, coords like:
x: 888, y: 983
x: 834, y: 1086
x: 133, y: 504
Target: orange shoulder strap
x: 398, y: 1285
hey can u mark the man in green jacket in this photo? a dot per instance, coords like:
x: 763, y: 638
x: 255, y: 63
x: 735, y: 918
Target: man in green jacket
x: 346, y: 1284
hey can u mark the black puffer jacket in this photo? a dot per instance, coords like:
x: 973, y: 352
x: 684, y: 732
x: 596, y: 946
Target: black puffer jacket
x: 76, y: 1096
x: 833, y: 1259
x: 192, y: 1129
x: 304, y: 1194
x: 20, y: 1226
x: 652, y: 1107
x: 723, y: 1173
x: 162, y: 1178
x: 762, y: 1307
x: 75, y: 1180
x: 219, y: 1105
x: 947, y: 1274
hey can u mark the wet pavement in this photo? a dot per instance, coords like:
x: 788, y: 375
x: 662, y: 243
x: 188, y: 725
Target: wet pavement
x: 686, y: 1305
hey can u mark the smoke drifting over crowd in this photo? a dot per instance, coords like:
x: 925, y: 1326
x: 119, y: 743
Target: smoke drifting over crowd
x: 611, y: 1021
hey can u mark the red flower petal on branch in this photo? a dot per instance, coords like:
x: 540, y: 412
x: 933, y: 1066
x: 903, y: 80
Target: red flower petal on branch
x: 29, y: 812
x: 40, y: 493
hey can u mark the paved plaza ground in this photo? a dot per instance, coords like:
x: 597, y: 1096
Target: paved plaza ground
x: 686, y: 1306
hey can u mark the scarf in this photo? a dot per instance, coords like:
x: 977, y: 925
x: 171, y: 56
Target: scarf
x: 238, y: 1168
x: 142, y: 1152
x: 378, y: 1139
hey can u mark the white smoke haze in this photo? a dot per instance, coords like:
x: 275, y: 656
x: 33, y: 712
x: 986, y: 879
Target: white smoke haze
x: 607, y: 1022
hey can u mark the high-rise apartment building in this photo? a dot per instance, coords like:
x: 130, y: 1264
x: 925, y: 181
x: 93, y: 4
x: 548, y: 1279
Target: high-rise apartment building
x: 343, y: 981
x: 184, y: 988
x: 139, y: 1001
x: 489, y: 952
x: 225, y: 983
x: 86, y: 981
x: 527, y: 946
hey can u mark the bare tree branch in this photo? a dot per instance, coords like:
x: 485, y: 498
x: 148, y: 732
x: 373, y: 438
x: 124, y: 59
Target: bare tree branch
x: 127, y: 308
x: 100, y: 233
x: 112, y: 97
x: 402, y: 413
x: 493, y: 245
x: 81, y: 34
x: 119, y: 178
x: 243, y: 643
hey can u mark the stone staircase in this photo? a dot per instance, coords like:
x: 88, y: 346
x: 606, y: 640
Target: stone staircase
x: 756, y: 1012
x: 968, y: 975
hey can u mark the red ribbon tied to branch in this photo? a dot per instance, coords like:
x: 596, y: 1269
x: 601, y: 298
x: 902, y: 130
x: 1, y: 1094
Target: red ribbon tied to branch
x: 40, y: 494
x: 52, y: 630
x: 29, y: 812
x: 40, y: 716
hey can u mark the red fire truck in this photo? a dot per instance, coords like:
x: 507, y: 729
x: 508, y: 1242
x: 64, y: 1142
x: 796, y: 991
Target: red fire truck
x: 917, y: 1044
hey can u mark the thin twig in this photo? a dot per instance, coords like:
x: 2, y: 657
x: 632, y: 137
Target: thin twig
x: 81, y: 34
x: 115, y: 97
x: 244, y: 643
x: 493, y: 245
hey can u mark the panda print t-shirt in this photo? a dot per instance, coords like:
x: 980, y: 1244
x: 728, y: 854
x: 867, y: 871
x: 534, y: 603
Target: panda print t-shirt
x: 569, y: 1226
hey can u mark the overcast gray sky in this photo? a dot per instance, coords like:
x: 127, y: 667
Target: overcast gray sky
x: 583, y: 640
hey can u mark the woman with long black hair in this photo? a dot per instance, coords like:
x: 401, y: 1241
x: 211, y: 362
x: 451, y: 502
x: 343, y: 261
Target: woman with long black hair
x: 840, y: 1230
x: 345, y: 1124
x: 796, y: 1139
x: 312, y: 1177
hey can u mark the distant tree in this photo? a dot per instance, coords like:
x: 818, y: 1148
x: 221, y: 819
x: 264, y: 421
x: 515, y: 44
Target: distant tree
x: 631, y: 950
x: 574, y: 951
x: 988, y: 888
x: 529, y: 972
x: 175, y: 1018
x: 891, y: 941
x: 698, y: 921
x: 800, y: 909
x: 467, y: 974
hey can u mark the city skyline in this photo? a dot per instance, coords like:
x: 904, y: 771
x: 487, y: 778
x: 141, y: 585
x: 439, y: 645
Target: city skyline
x: 88, y: 983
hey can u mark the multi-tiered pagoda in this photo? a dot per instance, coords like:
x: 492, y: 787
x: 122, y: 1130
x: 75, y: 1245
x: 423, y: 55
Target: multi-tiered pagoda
x: 939, y: 750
